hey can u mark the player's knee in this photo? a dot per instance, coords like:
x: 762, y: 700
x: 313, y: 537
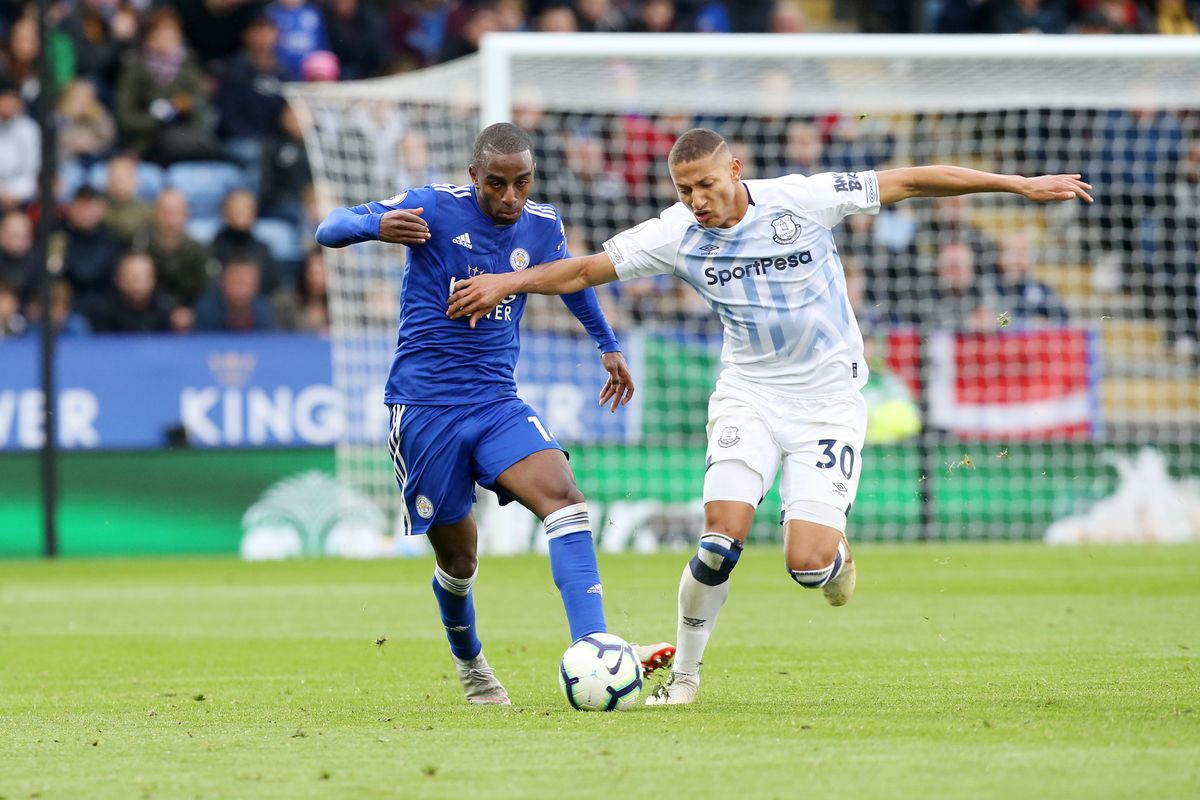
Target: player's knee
x: 459, y: 565
x: 812, y: 556
x: 815, y: 567
x: 715, y: 559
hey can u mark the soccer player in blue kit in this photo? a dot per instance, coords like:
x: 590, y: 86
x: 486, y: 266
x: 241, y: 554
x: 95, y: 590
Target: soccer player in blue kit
x: 456, y: 419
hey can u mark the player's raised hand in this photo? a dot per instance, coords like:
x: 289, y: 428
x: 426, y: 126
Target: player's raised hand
x: 1056, y: 188
x: 477, y: 296
x: 404, y: 226
x: 618, y: 389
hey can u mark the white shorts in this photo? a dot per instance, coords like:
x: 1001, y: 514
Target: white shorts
x: 818, y: 440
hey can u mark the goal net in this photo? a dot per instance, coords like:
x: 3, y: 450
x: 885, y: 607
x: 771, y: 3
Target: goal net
x: 1017, y: 350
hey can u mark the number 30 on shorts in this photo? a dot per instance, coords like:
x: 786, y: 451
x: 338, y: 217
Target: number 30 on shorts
x: 844, y: 459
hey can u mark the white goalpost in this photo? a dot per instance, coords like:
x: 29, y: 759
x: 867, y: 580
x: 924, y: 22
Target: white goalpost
x: 1014, y: 345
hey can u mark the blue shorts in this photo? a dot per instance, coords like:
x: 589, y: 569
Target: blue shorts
x: 440, y: 452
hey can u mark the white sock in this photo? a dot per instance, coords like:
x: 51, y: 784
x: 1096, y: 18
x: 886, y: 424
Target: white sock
x: 699, y: 601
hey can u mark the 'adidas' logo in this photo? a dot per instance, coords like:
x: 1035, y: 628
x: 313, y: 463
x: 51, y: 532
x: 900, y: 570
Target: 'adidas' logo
x: 596, y: 589
x: 463, y: 239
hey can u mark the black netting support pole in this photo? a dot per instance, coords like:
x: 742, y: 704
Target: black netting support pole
x: 927, y: 442
x: 44, y: 113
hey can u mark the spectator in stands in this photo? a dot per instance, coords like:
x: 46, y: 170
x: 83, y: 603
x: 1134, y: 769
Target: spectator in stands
x: 956, y: 302
x: 90, y: 248
x: 181, y: 263
x: 100, y: 32
x: 134, y: 304
x: 67, y: 321
x: 483, y: 20
x: 788, y: 18
x: 1174, y: 18
x: 307, y: 309
x: 653, y: 16
x: 301, y: 31
x: 1136, y: 154
x: 1181, y: 263
x: 556, y: 19
x: 20, y: 56
x: 358, y: 37
x: 19, y: 266
x: 162, y: 100
x: 852, y: 147
x: 236, y: 238
x: 1123, y: 16
x: 1016, y: 293
x: 86, y: 131
x: 949, y: 219
x: 1092, y: 22
x: 419, y: 30
x: 20, y: 149
x: 234, y: 302
x: 320, y: 66
x: 598, y: 16
x: 286, y: 174
x: 250, y: 97
x: 803, y: 149
x: 127, y: 213
x: 214, y: 27
x: 588, y: 186
x: 1029, y: 16
x: 12, y: 322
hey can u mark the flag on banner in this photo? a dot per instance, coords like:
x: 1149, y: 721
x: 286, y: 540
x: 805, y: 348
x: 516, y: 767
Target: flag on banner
x: 1023, y: 384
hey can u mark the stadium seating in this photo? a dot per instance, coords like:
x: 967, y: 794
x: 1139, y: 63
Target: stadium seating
x: 150, y: 179
x: 205, y: 183
x: 71, y: 175
x: 281, y: 238
x: 203, y: 229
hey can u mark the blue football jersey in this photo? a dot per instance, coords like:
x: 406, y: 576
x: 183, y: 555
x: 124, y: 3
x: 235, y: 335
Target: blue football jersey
x: 443, y: 361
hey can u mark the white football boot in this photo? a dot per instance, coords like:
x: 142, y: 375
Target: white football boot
x: 839, y: 590
x: 680, y: 689
x: 479, y: 682
x: 654, y: 656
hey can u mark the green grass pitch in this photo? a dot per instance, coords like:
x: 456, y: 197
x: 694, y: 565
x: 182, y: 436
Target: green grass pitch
x: 958, y: 671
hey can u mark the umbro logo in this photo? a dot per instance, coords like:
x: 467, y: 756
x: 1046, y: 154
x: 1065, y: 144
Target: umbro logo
x: 463, y: 239
x: 710, y: 248
x: 694, y: 622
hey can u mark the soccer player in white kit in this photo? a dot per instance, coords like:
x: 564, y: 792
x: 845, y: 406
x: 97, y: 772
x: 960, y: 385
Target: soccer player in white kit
x: 762, y: 255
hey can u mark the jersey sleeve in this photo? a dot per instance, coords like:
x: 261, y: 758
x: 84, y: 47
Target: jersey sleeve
x: 830, y: 197
x: 645, y: 250
x: 347, y: 226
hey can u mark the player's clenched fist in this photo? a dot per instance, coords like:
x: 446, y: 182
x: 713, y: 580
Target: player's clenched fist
x: 403, y: 226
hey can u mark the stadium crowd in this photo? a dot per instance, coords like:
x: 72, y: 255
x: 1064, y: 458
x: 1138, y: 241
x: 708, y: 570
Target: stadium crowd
x: 186, y: 200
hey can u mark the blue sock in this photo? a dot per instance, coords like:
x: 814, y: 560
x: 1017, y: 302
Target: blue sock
x: 458, y: 613
x: 573, y: 564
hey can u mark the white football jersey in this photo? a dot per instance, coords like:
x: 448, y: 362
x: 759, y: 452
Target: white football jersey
x: 774, y: 279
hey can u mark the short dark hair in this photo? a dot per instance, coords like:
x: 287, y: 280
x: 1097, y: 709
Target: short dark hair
x: 694, y: 145
x: 501, y: 139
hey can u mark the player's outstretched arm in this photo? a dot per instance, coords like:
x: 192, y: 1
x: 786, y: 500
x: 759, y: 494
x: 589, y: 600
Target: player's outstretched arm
x: 944, y: 181
x: 370, y: 223
x: 475, y: 297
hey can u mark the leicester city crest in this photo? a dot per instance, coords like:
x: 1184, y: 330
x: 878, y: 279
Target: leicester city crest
x: 518, y: 259
x: 729, y: 437
x: 786, y: 227
x: 424, y: 507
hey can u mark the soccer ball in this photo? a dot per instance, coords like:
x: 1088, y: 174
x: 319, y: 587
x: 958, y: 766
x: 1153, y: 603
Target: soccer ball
x: 600, y: 672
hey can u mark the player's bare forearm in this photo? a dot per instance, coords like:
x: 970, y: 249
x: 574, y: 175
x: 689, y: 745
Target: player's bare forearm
x: 475, y: 297
x: 947, y: 181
